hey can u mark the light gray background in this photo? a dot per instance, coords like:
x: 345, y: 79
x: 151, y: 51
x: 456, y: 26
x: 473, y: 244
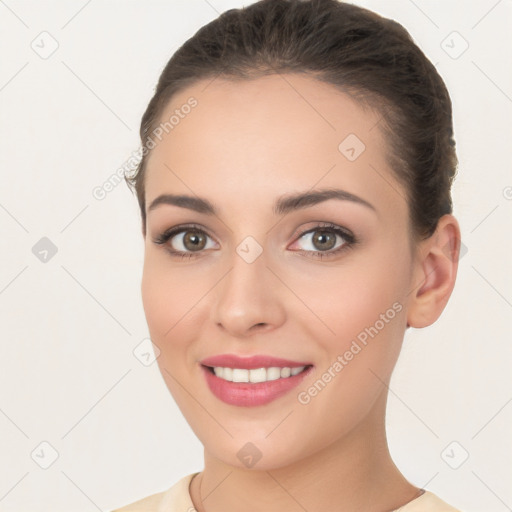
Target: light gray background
x: 69, y: 326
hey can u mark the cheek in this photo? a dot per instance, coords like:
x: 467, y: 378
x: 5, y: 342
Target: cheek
x: 168, y: 293
x: 165, y: 300
x: 352, y: 297
x: 174, y: 300
x: 367, y: 312
x: 158, y: 297
x: 175, y: 304
x: 363, y: 304
x: 367, y: 300
x: 368, y: 319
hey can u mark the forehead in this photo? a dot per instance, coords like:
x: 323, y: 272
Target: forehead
x: 251, y: 139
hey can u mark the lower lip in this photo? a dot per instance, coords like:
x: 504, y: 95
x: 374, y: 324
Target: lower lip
x: 246, y: 394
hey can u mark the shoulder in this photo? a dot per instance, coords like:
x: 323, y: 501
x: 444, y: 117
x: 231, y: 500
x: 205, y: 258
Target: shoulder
x: 427, y: 502
x: 176, y: 497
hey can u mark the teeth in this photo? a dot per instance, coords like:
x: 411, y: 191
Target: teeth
x: 257, y: 374
x: 240, y: 375
x: 228, y: 373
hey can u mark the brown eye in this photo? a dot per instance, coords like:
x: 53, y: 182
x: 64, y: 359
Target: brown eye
x: 324, y: 240
x: 194, y: 240
x: 185, y: 241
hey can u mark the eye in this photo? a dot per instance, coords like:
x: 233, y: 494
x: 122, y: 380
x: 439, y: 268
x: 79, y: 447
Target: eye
x: 326, y: 240
x: 192, y: 239
x: 323, y: 240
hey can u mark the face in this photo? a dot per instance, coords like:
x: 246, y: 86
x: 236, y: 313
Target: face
x: 323, y: 281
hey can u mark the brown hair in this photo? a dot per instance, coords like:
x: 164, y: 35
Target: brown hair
x: 361, y: 53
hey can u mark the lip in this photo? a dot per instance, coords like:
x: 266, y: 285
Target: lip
x: 250, y: 363
x: 248, y: 394
x: 251, y: 394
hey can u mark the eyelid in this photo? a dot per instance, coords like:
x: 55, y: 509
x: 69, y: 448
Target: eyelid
x: 319, y: 225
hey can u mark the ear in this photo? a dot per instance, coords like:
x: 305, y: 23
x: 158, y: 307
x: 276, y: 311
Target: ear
x: 435, y: 272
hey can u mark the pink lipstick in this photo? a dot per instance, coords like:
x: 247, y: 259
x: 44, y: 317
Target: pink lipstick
x: 252, y: 381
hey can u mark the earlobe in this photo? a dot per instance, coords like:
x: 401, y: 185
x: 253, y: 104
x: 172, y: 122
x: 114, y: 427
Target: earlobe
x: 435, y: 274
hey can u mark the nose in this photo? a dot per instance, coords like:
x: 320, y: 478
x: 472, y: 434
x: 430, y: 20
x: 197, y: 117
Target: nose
x: 249, y: 299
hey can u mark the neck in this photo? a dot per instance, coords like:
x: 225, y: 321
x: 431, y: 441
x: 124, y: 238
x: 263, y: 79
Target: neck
x: 354, y: 473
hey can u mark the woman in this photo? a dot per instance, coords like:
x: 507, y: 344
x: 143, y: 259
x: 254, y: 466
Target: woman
x: 297, y: 218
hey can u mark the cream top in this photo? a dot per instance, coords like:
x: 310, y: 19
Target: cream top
x: 177, y: 499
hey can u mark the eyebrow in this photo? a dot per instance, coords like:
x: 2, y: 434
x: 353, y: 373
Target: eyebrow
x: 283, y: 205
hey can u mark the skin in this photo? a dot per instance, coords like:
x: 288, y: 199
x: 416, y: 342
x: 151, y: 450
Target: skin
x: 244, y: 145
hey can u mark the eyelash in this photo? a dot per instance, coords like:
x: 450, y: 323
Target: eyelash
x: 349, y: 240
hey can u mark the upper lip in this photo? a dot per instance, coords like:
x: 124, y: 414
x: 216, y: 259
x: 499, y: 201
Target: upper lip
x: 248, y: 363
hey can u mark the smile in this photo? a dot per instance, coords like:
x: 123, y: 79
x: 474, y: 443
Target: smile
x: 245, y: 387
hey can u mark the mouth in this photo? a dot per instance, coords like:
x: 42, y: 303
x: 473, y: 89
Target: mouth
x: 245, y: 387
